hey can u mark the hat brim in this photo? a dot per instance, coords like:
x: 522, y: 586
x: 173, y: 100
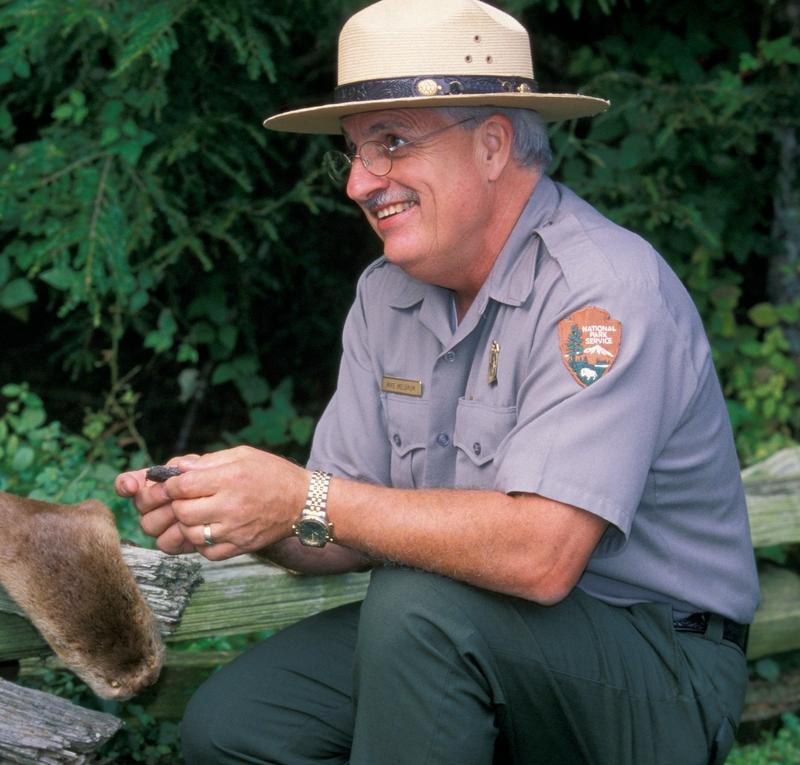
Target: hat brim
x: 326, y: 120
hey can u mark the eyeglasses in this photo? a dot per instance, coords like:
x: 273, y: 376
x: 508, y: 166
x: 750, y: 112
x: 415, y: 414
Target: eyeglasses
x: 375, y: 156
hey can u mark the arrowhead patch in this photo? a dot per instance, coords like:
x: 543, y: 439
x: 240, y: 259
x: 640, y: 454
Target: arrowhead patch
x: 589, y: 340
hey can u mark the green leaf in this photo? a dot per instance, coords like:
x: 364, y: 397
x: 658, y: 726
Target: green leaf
x: 187, y: 352
x: 30, y: 419
x: 138, y: 300
x: 254, y: 390
x: 768, y: 669
x: 157, y: 340
x: 227, y: 336
x: 764, y: 315
x: 63, y: 112
x: 301, y: 429
x: 16, y: 293
x: 60, y: 277
x: 223, y: 373
x: 110, y: 134
x: 23, y: 458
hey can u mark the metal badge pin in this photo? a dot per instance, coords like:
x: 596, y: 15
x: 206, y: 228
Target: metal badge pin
x: 493, y: 356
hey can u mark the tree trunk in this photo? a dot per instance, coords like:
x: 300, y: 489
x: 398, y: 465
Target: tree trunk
x: 784, y: 268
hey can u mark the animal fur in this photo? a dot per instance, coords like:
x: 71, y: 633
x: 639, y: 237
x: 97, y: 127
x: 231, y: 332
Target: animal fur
x: 62, y: 565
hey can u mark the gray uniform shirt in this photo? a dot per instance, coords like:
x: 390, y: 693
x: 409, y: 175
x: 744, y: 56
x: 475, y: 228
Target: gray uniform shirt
x: 620, y: 415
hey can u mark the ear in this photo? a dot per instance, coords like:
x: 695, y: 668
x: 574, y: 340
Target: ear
x: 497, y: 135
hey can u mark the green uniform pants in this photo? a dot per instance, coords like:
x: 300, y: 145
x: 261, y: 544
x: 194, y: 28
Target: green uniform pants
x: 429, y: 671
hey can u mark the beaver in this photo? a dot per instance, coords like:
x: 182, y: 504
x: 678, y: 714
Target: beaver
x: 63, y: 566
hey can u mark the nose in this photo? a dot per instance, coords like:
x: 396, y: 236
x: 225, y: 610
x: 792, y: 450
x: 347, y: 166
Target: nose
x: 361, y: 183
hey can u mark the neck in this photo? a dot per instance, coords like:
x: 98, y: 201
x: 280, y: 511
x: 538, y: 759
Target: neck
x: 512, y: 196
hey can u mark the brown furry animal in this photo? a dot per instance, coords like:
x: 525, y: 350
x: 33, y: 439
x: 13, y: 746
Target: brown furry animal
x: 62, y: 565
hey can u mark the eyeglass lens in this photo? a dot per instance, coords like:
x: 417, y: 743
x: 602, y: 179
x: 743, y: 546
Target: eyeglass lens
x: 375, y: 157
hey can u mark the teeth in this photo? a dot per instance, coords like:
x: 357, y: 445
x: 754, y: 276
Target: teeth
x: 393, y: 209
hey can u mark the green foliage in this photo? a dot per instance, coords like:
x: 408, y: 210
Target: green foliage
x: 143, y: 204
x: 780, y: 749
x: 40, y: 460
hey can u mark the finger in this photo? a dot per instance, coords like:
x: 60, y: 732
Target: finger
x: 199, y: 510
x: 127, y: 484
x: 221, y: 551
x: 151, y: 497
x: 157, y: 521
x: 173, y: 542
x: 185, y: 462
x: 206, y: 535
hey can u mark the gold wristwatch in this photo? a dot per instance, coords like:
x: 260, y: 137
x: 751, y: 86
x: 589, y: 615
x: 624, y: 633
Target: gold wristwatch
x: 312, y: 528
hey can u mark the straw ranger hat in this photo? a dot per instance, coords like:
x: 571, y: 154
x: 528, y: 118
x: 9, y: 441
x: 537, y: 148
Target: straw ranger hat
x: 400, y: 54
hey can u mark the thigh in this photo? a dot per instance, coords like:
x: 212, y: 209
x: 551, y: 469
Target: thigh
x: 585, y: 682
x: 576, y: 683
x: 285, y: 702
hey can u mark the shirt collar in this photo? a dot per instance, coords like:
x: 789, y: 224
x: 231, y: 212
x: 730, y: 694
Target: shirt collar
x: 511, y: 278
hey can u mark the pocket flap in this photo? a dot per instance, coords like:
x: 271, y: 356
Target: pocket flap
x: 407, y: 420
x: 480, y: 429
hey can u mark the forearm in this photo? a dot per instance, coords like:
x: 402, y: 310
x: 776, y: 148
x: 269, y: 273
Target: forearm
x: 523, y: 545
x: 331, y: 559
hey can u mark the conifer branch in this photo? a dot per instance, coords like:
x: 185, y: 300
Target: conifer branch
x: 98, y: 203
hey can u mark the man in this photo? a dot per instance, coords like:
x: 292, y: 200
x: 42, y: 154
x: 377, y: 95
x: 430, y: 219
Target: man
x: 528, y: 445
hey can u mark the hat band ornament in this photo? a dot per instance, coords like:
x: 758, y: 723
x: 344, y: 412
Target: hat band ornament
x: 431, y: 85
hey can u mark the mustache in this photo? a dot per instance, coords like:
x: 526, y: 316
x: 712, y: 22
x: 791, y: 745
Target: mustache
x: 385, y: 197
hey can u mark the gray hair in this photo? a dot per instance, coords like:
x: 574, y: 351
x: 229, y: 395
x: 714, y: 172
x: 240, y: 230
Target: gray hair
x: 531, y: 145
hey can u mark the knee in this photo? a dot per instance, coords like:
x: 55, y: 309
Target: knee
x: 209, y: 730
x: 197, y: 727
x: 406, y: 609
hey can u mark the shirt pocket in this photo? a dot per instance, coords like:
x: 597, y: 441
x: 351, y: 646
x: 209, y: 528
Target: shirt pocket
x: 407, y: 421
x: 479, y: 431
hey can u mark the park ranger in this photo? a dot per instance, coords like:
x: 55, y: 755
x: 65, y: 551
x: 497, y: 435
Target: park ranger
x: 528, y: 446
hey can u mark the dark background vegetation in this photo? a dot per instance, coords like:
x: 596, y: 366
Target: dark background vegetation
x: 174, y: 278
x: 179, y: 276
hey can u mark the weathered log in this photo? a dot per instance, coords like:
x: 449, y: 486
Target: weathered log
x: 38, y: 728
x: 165, y: 581
x: 772, y: 488
x: 776, y: 628
x: 243, y: 595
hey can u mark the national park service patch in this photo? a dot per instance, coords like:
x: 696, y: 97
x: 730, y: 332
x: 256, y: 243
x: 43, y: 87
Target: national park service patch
x: 589, y: 341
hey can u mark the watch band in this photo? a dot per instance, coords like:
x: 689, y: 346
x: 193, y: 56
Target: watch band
x: 312, y: 528
x: 317, y: 498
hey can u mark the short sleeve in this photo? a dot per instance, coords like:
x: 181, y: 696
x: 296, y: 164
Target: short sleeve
x: 592, y: 443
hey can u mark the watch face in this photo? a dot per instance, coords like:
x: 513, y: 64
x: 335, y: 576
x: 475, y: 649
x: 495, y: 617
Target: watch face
x: 312, y: 532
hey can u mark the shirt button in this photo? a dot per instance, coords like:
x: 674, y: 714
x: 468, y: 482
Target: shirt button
x: 450, y: 356
x: 476, y: 447
x: 397, y: 440
x: 443, y: 439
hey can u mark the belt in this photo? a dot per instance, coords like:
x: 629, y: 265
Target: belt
x: 731, y: 630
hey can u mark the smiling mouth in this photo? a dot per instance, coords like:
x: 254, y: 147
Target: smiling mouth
x: 386, y: 212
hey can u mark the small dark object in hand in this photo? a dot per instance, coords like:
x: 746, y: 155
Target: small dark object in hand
x: 160, y: 473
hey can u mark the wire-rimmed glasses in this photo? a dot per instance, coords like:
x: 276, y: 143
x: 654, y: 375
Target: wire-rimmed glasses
x: 374, y: 155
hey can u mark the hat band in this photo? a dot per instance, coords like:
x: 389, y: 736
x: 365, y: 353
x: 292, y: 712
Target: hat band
x: 436, y: 85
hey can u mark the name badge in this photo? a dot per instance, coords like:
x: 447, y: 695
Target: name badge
x: 404, y: 387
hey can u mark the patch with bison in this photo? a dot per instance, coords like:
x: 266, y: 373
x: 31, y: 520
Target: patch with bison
x: 589, y: 341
